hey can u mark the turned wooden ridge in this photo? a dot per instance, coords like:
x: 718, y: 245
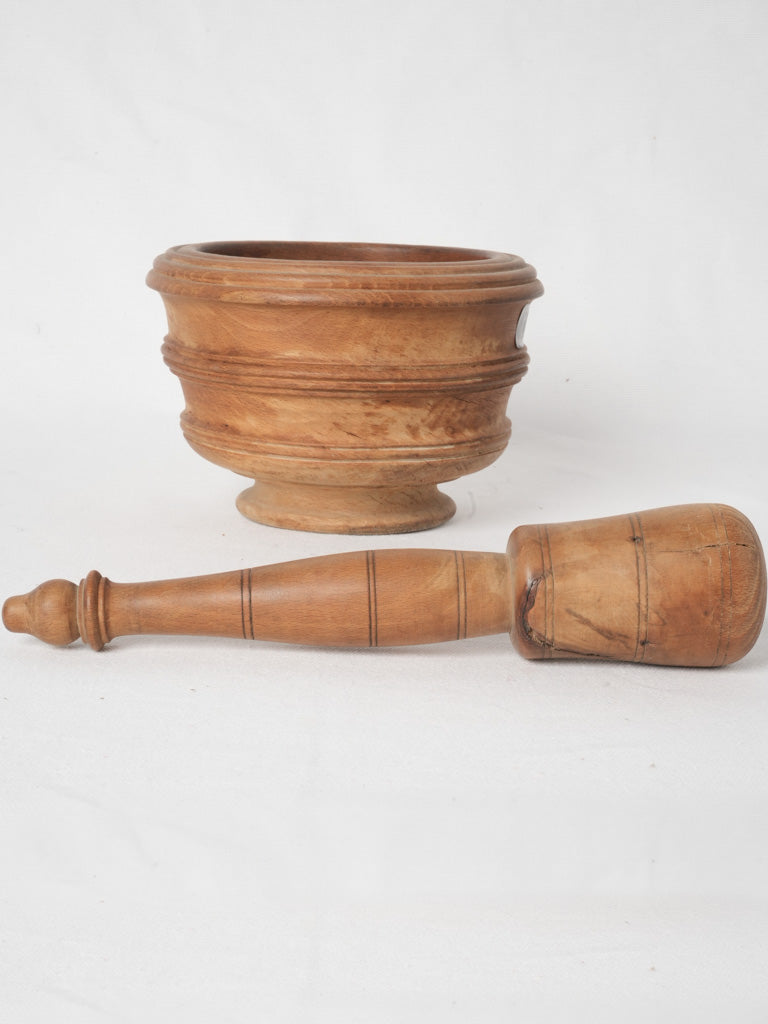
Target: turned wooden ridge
x: 672, y: 586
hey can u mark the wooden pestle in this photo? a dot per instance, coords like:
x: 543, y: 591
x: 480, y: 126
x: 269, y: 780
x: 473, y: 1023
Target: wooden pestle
x: 673, y: 586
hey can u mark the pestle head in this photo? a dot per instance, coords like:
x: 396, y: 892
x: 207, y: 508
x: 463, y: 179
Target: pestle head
x: 49, y: 612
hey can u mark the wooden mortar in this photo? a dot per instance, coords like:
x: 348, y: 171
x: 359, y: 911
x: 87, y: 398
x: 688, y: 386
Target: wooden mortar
x: 347, y: 380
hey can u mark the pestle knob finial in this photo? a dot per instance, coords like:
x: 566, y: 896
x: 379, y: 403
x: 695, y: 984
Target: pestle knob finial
x: 49, y: 612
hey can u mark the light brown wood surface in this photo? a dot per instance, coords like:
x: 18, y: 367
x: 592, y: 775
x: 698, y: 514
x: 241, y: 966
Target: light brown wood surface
x: 672, y: 586
x: 678, y: 586
x: 346, y: 380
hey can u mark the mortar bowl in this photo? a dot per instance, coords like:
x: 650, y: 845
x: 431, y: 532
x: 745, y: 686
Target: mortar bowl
x: 347, y: 380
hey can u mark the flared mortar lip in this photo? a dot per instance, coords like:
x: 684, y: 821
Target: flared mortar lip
x: 296, y: 272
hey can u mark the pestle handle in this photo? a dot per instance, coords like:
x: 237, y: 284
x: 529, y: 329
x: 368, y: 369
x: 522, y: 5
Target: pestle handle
x: 361, y: 599
x: 677, y: 586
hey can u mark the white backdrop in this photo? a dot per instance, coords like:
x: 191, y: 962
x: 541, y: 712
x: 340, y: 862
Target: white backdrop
x: 206, y: 830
